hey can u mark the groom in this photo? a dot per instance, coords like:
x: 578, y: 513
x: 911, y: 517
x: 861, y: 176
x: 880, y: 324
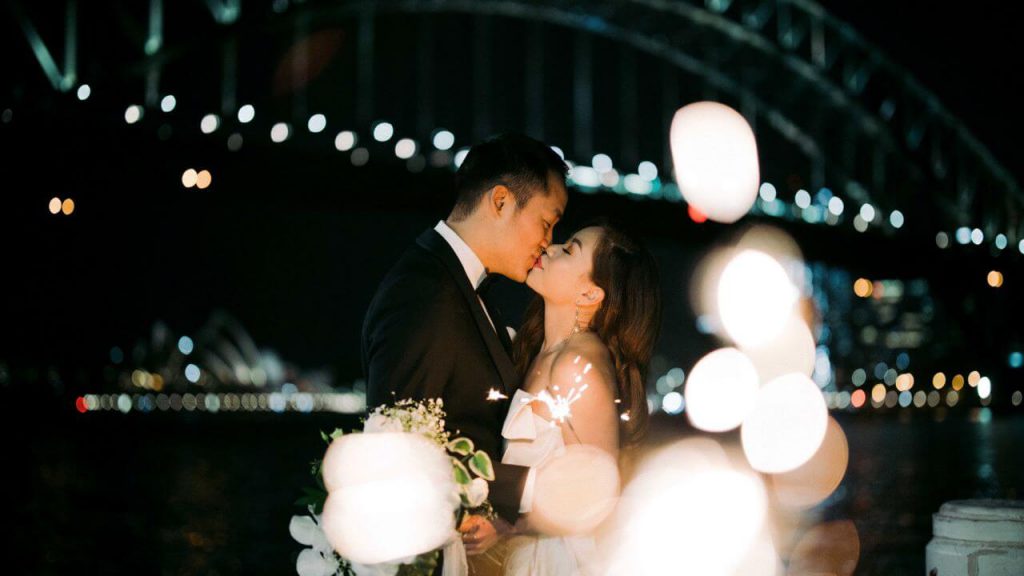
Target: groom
x: 428, y: 333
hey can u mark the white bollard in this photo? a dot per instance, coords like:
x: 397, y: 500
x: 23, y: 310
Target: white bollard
x: 977, y: 538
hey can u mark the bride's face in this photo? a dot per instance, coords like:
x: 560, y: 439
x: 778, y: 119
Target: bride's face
x: 562, y: 273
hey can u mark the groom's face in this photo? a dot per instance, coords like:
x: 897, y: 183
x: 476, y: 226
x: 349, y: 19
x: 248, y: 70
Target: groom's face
x: 529, y: 228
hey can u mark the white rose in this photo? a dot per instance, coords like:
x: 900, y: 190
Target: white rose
x: 476, y: 492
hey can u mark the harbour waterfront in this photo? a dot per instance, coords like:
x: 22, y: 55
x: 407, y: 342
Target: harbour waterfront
x: 212, y: 494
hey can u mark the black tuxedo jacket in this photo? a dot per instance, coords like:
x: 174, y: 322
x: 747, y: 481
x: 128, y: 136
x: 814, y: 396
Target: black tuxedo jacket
x: 426, y: 336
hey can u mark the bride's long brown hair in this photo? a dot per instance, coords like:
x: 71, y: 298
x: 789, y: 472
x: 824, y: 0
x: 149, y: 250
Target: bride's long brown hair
x: 627, y: 321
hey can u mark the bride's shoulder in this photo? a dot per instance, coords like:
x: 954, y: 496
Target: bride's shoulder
x: 584, y: 356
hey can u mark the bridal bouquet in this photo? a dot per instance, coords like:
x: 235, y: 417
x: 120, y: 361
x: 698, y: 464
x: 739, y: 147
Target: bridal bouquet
x: 388, y: 500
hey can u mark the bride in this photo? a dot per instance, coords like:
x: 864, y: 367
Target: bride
x: 598, y: 303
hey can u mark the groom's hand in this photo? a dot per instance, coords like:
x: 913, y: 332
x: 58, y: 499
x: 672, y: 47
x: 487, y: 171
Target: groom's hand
x: 479, y: 534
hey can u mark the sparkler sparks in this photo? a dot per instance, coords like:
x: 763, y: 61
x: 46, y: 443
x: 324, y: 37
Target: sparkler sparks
x: 561, y: 406
x: 495, y: 395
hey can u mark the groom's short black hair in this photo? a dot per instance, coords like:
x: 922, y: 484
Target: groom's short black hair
x: 519, y: 162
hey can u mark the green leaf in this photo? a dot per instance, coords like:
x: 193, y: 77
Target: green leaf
x: 481, y: 465
x: 462, y: 476
x: 461, y: 446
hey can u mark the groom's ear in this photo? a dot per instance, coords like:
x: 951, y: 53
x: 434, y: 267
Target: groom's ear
x: 499, y: 198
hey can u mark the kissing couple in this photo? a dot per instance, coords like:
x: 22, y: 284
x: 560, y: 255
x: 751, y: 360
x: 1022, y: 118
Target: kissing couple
x: 430, y: 332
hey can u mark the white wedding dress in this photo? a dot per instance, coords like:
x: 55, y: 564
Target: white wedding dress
x: 531, y: 441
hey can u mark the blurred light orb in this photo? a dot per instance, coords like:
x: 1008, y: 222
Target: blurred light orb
x: 816, y: 479
x: 939, y: 380
x: 189, y: 177
x: 721, y: 390
x: 1017, y: 398
x: 905, y: 398
x: 755, y: 298
x: 1001, y: 241
x: 168, y: 103
x: 920, y: 398
x: 896, y: 219
x: 185, y: 345
x: 55, y: 205
x: 444, y: 140
x: 575, y: 491
x: 715, y: 157
x: 460, y: 157
x: 673, y: 403
x: 1016, y: 359
x: 280, y: 132
x: 209, y: 123
x: 863, y: 288
x: 963, y: 235
x: 767, y: 192
x: 952, y: 398
x: 858, y: 377
x: 560, y: 152
x: 933, y: 398
x: 133, y: 114
x: 984, y: 388
x: 688, y: 511
x: 316, y: 123
x: 973, y: 378
x: 1020, y: 246
x: 84, y: 91
x: 204, y: 179
x: 360, y: 156
x: 977, y: 236
x: 383, y: 131
x: 802, y: 198
x: 405, y: 148
x: 860, y: 224
x: 601, y: 162
x: 373, y: 479
x: 235, y: 142
x: 68, y: 207
x: 192, y: 373
x: 867, y: 212
x: 958, y: 382
x: 878, y: 393
x: 648, y: 171
x: 836, y: 206
x: 995, y: 279
x: 942, y: 240
x: 345, y: 141
x: 246, y: 113
x: 787, y: 425
x: 792, y: 351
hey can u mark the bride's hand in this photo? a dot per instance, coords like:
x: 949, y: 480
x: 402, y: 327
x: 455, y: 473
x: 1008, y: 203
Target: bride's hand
x: 479, y: 534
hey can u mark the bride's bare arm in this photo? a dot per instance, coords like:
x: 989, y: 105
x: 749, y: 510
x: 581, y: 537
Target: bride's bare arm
x: 594, y: 417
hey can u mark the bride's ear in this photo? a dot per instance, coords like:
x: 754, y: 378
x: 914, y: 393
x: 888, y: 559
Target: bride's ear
x: 593, y: 296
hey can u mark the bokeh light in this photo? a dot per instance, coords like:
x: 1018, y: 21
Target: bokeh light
x: 1016, y: 359
x: 209, y: 123
x: 786, y: 426
x: 203, y: 179
x: 942, y: 240
x: 984, y: 388
x: 721, y: 390
x: 192, y: 373
x: 188, y: 178
x: 896, y: 219
x: 878, y: 393
x: 863, y: 287
x: 67, y: 207
x: 55, y: 205
x: 316, y: 123
x: 958, y: 382
x: 816, y: 479
x: 767, y: 192
x: 246, y: 114
x: 755, y: 298
x: 168, y: 103
x: 374, y: 478
x: 601, y: 162
x: 867, y: 212
x: 836, y: 206
x: 133, y: 114
x: 715, y: 157
x: 939, y: 380
x: 689, y: 510
x: 648, y: 171
x: 995, y: 279
x: 405, y: 148
x: 280, y: 132
x: 792, y: 351
x: 344, y: 141
x: 84, y: 91
x: 973, y: 377
x: 857, y: 398
x: 383, y: 131
x: 1017, y: 398
x: 185, y: 345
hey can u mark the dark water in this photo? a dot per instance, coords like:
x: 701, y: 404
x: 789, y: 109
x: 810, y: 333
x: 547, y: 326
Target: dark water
x: 204, y: 494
